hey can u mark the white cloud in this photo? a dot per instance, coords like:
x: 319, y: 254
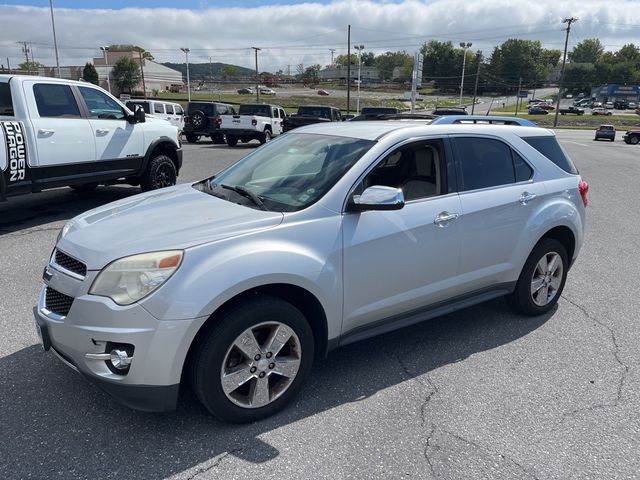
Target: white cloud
x: 304, y: 33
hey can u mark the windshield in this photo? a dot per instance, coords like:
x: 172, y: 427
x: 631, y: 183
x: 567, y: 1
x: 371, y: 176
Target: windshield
x: 289, y: 173
x: 259, y: 110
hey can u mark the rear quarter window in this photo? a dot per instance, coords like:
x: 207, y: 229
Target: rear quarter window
x: 6, y: 104
x: 550, y: 148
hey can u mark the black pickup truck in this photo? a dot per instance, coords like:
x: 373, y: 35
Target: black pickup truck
x: 571, y: 110
x: 308, y: 114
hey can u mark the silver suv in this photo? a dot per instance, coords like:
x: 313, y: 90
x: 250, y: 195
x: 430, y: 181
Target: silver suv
x: 325, y: 236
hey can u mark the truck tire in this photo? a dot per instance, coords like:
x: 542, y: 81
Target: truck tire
x: 265, y: 137
x: 634, y: 139
x: 232, y: 140
x: 192, y: 137
x: 199, y: 120
x: 219, y: 139
x: 160, y: 173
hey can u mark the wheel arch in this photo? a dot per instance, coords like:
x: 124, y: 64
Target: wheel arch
x: 565, y: 236
x: 162, y: 146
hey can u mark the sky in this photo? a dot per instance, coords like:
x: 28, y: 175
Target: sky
x: 291, y: 33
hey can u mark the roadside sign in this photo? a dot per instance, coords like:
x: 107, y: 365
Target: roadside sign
x: 523, y: 94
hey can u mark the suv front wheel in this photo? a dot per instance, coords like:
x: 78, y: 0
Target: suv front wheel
x: 253, y: 360
x: 542, y: 278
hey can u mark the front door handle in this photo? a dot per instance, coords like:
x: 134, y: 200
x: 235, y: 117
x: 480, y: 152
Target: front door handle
x: 443, y: 218
x: 526, y: 197
x: 45, y: 131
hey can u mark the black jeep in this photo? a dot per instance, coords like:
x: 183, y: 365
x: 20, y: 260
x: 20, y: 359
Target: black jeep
x: 203, y: 120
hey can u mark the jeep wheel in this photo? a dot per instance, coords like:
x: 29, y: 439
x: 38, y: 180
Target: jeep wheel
x: 542, y: 278
x: 265, y: 137
x: 160, y: 173
x: 253, y: 360
x: 198, y: 120
x: 192, y: 137
x: 232, y: 140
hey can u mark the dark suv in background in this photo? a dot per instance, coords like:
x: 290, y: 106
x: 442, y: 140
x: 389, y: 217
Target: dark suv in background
x: 203, y: 120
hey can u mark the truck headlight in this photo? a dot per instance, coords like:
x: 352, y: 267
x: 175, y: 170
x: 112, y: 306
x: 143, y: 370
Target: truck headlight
x: 130, y: 279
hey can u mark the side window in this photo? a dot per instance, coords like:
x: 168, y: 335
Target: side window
x: 483, y: 162
x: 158, y: 108
x: 55, y: 101
x: 417, y: 169
x: 179, y: 110
x: 282, y: 113
x: 221, y: 110
x: 231, y: 111
x: 6, y: 105
x: 522, y: 168
x: 101, y: 105
x: 168, y: 109
x: 275, y: 113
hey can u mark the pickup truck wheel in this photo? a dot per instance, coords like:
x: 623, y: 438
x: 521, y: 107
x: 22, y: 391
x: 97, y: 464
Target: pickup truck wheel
x: 160, y: 173
x: 542, y: 279
x: 253, y: 360
x: 192, y: 137
x: 265, y: 137
x: 85, y: 187
x: 232, y: 140
x: 219, y: 139
x: 634, y: 139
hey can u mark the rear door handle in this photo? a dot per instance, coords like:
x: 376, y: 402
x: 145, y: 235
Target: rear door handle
x: 526, y: 197
x: 443, y: 218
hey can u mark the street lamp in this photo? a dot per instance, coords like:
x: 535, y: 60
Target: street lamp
x: 55, y: 41
x: 256, y: 49
x: 106, y: 65
x: 465, y: 47
x: 186, y: 54
x: 359, y: 48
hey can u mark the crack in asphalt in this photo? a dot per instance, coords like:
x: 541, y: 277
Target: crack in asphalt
x: 29, y: 231
x: 214, y: 464
x: 616, y: 356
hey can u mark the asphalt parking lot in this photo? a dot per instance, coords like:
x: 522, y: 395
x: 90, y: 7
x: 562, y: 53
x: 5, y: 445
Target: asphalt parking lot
x: 480, y: 394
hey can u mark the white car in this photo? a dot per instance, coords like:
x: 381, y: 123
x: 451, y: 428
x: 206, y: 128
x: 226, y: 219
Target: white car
x: 267, y: 91
x: 171, y: 112
x: 327, y: 235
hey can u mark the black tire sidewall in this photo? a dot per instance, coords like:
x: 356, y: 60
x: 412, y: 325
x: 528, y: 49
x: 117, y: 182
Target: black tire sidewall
x: 192, y: 137
x: 521, y: 298
x: 147, y: 181
x: 232, y: 140
x: 228, y: 326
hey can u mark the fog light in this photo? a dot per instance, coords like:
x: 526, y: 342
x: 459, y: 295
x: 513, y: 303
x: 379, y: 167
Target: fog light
x: 120, y: 359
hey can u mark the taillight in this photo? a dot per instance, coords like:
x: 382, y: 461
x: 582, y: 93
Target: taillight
x: 282, y: 123
x: 583, y: 188
x: 218, y: 121
x: 254, y: 122
x: 186, y: 119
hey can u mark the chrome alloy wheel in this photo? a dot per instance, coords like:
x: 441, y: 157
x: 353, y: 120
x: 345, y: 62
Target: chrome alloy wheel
x: 261, y: 364
x: 546, y: 279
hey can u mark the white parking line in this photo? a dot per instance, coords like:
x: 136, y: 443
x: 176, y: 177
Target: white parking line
x: 577, y: 143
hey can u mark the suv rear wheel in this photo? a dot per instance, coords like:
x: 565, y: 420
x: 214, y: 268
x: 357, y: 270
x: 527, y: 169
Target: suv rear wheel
x: 542, y: 278
x: 254, y: 360
x: 192, y: 137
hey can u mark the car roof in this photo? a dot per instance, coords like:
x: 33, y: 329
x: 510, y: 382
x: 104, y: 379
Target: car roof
x: 374, y: 130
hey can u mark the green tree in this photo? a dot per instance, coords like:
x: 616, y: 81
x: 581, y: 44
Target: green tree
x: 89, y: 74
x: 442, y: 64
x: 127, y: 47
x: 518, y: 59
x: 229, y: 72
x: 368, y: 59
x: 30, y: 66
x: 587, y: 51
x: 629, y: 53
x: 341, y: 60
x: 126, y: 74
x: 387, y: 61
x: 312, y: 72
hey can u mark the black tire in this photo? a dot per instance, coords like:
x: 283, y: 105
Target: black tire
x: 522, y: 299
x: 265, y: 137
x: 211, y: 354
x: 634, y: 139
x: 199, y: 120
x: 219, y: 139
x: 85, y: 187
x: 192, y: 137
x: 232, y: 140
x: 160, y: 173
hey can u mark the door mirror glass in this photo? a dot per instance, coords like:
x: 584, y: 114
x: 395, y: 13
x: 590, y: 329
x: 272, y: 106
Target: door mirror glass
x: 139, y: 115
x: 378, y: 197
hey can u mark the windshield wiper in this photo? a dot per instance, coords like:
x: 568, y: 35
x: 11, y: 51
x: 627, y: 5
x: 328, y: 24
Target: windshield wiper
x: 245, y: 193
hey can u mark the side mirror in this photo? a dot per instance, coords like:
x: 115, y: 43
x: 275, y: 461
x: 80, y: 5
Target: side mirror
x: 138, y: 115
x: 378, y: 197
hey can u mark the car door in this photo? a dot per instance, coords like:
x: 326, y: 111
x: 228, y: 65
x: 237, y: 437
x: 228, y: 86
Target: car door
x: 115, y: 137
x: 179, y: 116
x: 399, y: 261
x: 275, y: 121
x: 62, y: 135
x: 498, y: 197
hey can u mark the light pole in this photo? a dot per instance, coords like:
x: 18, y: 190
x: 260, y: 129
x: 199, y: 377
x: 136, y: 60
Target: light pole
x: 106, y: 65
x: 257, y: 86
x: 55, y: 41
x: 186, y: 55
x: 465, y: 47
x: 359, y: 48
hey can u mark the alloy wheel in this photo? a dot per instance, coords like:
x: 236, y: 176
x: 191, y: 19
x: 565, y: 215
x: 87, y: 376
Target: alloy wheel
x: 546, y: 278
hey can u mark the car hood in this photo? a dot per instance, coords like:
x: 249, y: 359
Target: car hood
x: 171, y: 218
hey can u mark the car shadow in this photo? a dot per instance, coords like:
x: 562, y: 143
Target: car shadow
x: 28, y: 211
x: 55, y: 423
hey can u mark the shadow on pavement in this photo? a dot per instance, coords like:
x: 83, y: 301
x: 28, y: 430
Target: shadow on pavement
x: 56, y: 424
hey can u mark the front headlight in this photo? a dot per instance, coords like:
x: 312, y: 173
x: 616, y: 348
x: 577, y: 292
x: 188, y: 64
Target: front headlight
x: 130, y: 279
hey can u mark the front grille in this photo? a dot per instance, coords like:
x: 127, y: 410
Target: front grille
x: 70, y: 263
x: 57, y: 302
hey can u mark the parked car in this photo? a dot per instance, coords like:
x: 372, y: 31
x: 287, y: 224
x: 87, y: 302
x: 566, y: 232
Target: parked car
x: 246, y: 91
x: 571, y: 110
x: 596, y: 104
x: 375, y: 110
x: 267, y: 91
x: 608, y: 105
x: 537, y: 111
x: 568, y: 95
x: 57, y: 133
x: 203, y: 120
x: 620, y: 104
x: 308, y: 114
x: 329, y: 235
x: 324, y: 93
x: 600, y: 111
x: 171, y: 112
x: 544, y: 105
x: 632, y: 137
x: 608, y: 132
x: 632, y: 105
x: 450, y: 111
x: 253, y: 122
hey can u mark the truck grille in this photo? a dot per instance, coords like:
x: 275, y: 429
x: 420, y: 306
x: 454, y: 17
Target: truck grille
x: 70, y: 263
x: 57, y: 302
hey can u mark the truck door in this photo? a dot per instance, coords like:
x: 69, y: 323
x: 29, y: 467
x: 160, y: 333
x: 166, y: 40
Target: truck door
x: 61, y: 135
x: 115, y: 137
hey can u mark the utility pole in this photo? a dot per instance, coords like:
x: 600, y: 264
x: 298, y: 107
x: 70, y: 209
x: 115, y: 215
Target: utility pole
x: 348, y: 69
x: 518, y: 95
x: 475, y: 88
x: 144, y: 85
x: 359, y: 48
x: 211, y: 76
x: 25, y: 50
x: 186, y: 56
x: 332, y: 50
x: 257, y: 86
x: 465, y: 46
x: 55, y: 41
x: 106, y: 66
x: 568, y: 21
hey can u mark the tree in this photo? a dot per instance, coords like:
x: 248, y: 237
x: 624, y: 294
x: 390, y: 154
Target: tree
x: 89, y: 73
x: 341, y: 60
x: 311, y: 73
x: 587, y: 51
x: 229, y: 71
x: 126, y: 74
x: 629, y: 53
x: 131, y: 48
x: 518, y: 59
x: 30, y: 66
x: 387, y: 61
x: 368, y: 59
